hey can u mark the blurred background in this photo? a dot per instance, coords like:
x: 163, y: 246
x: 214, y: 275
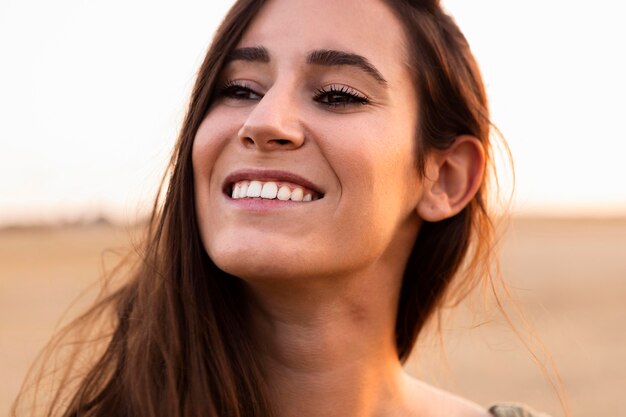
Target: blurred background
x: 91, y: 98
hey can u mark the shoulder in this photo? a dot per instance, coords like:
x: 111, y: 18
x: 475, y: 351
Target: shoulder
x: 513, y: 410
x: 435, y: 402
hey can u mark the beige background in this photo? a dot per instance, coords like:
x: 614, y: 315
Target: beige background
x: 569, y: 276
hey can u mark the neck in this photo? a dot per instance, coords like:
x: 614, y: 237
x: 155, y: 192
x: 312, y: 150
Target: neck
x: 329, y: 349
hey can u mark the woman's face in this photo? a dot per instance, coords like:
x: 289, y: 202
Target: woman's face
x: 316, y: 112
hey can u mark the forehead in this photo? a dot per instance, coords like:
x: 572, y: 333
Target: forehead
x: 292, y: 28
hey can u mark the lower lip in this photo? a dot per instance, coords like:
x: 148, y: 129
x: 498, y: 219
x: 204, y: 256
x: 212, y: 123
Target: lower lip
x: 260, y: 204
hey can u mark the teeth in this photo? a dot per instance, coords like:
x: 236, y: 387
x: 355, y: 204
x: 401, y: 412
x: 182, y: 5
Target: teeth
x: 236, y: 191
x: 243, y: 190
x: 269, y: 190
x: 254, y: 189
x: 284, y: 193
x: 297, y: 194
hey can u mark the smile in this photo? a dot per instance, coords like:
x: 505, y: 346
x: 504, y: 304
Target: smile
x: 267, y: 185
x: 272, y: 190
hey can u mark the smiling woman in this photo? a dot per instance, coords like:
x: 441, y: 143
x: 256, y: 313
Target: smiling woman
x: 328, y: 184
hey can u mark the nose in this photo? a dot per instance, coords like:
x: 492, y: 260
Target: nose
x: 274, y: 122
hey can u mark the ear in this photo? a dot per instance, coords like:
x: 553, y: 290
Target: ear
x: 453, y: 176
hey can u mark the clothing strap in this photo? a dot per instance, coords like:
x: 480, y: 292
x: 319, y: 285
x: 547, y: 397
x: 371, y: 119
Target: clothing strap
x: 514, y: 410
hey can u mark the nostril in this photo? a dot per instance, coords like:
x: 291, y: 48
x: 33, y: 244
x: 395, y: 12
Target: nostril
x: 247, y: 141
x: 282, y: 141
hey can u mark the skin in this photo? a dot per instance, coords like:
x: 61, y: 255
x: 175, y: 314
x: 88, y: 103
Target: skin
x: 324, y: 276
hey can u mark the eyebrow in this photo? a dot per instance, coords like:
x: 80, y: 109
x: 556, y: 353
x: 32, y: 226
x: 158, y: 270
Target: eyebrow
x: 324, y: 57
x: 329, y: 57
x: 251, y: 53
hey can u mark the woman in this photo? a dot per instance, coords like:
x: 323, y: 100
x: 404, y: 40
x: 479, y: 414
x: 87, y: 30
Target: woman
x: 327, y: 186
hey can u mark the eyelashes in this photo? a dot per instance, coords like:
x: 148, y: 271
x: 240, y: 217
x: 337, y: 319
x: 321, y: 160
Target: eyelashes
x: 239, y: 90
x: 340, y: 96
x: 332, y: 96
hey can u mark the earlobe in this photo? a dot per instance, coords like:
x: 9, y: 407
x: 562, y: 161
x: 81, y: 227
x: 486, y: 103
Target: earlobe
x: 453, y: 176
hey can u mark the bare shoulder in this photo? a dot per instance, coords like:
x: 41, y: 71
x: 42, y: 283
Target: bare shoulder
x: 435, y: 402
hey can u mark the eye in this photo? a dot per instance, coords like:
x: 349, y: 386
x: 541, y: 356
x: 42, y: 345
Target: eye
x: 239, y: 90
x: 339, y: 96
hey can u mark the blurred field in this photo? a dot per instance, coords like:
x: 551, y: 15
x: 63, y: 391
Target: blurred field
x: 569, y: 276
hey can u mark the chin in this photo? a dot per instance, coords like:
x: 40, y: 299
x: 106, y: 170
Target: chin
x: 259, y: 254
x: 251, y: 260
x: 259, y: 268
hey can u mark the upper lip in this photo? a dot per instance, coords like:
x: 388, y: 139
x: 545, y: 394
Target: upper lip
x: 269, y: 175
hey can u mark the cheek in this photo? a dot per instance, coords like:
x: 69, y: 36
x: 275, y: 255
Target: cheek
x: 214, y: 133
x: 378, y: 180
x: 374, y: 161
x: 218, y: 130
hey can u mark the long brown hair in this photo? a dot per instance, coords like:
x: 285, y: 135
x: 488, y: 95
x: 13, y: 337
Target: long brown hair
x: 179, y: 343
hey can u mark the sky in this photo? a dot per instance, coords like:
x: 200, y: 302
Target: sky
x: 92, y: 94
